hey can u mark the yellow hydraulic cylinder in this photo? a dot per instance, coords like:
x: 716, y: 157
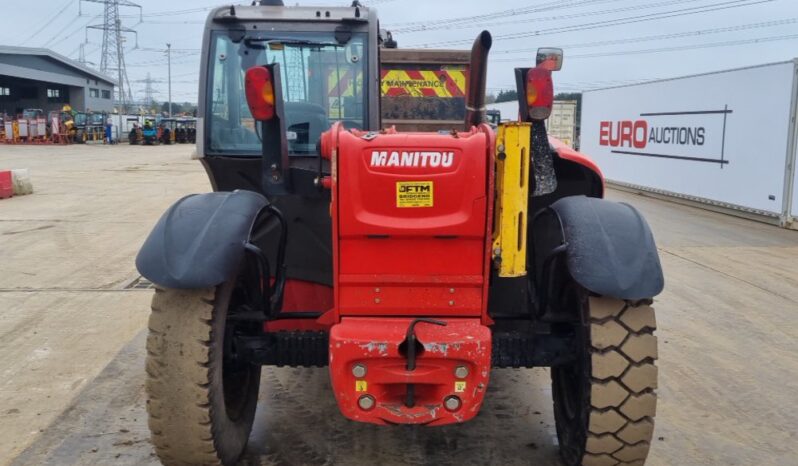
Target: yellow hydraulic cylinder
x: 512, y: 189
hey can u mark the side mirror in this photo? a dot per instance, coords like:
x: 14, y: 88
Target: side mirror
x: 549, y: 58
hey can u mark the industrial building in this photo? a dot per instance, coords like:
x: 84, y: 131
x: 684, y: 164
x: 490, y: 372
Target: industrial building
x: 42, y: 79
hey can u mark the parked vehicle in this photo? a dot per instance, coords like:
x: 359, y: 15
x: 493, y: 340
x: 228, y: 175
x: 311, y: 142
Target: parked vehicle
x: 166, y: 131
x: 135, y: 135
x: 410, y: 264
x: 149, y: 131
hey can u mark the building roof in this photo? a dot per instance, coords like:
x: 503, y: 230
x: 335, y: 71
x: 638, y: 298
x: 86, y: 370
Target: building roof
x: 40, y: 52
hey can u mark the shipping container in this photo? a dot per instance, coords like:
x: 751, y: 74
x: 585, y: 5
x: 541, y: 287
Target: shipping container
x: 561, y: 124
x: 724, y: 140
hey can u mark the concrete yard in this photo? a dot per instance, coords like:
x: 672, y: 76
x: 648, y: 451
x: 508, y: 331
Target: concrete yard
x: 72, y: 337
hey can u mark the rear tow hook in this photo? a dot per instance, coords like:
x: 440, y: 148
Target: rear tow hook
x: 411, y: 340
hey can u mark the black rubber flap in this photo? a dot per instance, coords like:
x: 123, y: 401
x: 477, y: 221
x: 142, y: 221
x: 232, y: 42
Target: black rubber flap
x: 611, y: 250
x: 200, y: 240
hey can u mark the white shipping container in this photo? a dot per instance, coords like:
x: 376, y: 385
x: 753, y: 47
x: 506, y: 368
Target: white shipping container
x: 724, y: 138
x: 561, y: 124
x: 794, y: 209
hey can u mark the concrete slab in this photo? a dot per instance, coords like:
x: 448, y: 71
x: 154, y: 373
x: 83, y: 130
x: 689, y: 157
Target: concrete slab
x: 727, y: 330
x: 66, y: 253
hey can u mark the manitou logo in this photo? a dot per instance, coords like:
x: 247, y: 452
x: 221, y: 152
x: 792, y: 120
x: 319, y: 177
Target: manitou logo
x: 431, y: 159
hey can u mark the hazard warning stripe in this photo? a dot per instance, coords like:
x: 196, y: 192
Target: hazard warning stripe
x: 342, y: 86
x: 345, y: 85
x: 424, y: 83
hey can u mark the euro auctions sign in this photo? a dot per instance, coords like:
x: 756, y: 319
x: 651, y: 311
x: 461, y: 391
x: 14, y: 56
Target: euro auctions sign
x: 725, y: 137
x: 695, y: 135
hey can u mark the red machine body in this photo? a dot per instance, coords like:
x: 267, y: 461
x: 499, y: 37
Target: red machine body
x: 411, y: 239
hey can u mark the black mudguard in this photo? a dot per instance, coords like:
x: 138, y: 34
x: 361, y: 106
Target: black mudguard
x: 200, y: 240
x: 610, y: 249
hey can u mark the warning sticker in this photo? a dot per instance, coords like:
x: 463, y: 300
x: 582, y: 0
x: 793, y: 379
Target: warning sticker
x: 414, y: 194
x: 459, y: 386
x: 361, y: 386
x: 444, y: 82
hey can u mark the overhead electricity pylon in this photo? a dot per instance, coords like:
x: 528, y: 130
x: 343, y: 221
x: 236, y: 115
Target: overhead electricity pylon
x: 112, y: 58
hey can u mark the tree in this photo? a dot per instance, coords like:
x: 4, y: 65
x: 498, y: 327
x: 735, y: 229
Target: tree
x: 176, y: 108
x: 506, y: 96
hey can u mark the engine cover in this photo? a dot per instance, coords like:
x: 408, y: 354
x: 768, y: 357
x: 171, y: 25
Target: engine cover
x: 410, y: 220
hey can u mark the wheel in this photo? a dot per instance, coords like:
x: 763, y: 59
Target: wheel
x: 201, y: 401
x: 604, y: 403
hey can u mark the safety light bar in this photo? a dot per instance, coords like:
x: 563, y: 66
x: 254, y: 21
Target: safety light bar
x: 539, y: 93
x: 259, y: 87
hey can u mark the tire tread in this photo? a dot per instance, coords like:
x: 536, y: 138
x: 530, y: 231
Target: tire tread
x: 177, y: 350
x: 623, y: 379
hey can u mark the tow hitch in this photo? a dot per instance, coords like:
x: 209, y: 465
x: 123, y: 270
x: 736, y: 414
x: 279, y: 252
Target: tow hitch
x: 392, y: 371
x: 411, y: 341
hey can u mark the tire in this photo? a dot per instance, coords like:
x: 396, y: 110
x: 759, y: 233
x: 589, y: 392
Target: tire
x: 605, y: 403
x: 200, y: 409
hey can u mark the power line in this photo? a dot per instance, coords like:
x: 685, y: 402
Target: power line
x: 161, y: 62
x: 48, y: 22
x: 55, y: 36
x: 423, y: 27
x: 728, y: 43
x: 678, y: 48
x: 58, y: 35
x: 191, y: 73
x: 677, y: 35
x: 176, y: 12
x: 554, y: 5
x: 146, y: 23
x: 617, y: 22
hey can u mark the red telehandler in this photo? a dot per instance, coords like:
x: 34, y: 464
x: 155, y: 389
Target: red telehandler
x: 409, y: 263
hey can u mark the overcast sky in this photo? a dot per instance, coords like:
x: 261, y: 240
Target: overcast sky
x: 606, y: 42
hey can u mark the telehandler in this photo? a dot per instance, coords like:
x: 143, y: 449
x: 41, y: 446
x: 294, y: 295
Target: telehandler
x: 411, y: 264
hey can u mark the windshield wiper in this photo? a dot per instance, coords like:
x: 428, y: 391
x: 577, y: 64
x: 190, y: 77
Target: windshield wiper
x: 255, y: 42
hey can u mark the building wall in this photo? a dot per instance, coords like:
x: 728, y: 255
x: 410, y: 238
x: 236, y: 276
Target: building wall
x: 101, y: 103
x: 33, y: 94
x: 30, y: 76
x: 79, y: 98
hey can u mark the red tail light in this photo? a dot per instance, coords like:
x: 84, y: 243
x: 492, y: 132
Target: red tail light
x: 260, y: 93
x: 539, y: 93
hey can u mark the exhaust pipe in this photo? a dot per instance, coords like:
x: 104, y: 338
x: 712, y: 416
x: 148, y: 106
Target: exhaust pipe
x: 477, y: 79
